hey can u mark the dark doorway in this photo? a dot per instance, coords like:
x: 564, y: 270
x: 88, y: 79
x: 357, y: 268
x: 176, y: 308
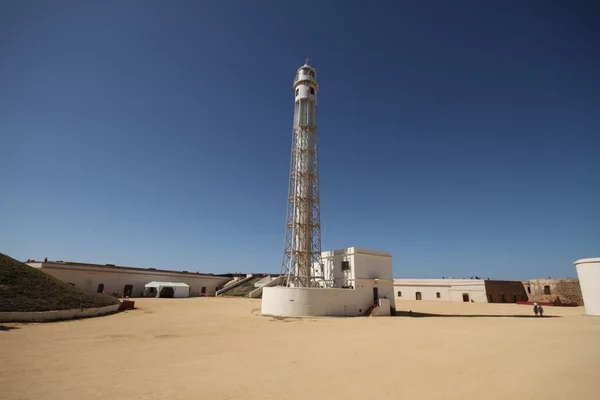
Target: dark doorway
x: 167, y: 292
x: 514, y: 298
x: 546, y: 289
x: 203, y: 291
x: 418, y: 295
x: 491, y: 298
x: 503, y: 299
x: 127, y: 290
x: 466, y: 297
x: 101, y: 288
x: 375, y: 296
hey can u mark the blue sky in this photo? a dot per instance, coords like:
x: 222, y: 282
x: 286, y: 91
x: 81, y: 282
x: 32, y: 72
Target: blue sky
x: 463, y: 137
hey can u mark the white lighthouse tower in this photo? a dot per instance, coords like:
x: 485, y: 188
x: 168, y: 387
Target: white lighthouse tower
x: 303, y: 228
x: 347, y: 282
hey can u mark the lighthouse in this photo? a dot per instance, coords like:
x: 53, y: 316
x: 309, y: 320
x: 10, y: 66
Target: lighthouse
x: 302, y: 254
x: 347, y: 282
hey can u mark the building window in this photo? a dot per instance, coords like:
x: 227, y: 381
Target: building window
x: 312, y: 90
x: 297, y: 91
x: 466, y: 297
x: 546, y: 289
x: 529, y: 289
x: 101, y: 288
x: 312, y: 73
x: 418, y: 296
x: 438, y: 295
x: 399, y: 294
x: 345, y: 265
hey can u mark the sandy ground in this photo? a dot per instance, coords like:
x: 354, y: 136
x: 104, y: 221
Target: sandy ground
x: 223, y: 349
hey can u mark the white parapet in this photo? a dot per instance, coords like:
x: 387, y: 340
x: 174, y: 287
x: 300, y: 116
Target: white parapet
x: 588, y: 272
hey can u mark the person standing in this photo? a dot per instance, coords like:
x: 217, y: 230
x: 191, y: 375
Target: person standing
x: 541, y: 310
x: 535, y: 308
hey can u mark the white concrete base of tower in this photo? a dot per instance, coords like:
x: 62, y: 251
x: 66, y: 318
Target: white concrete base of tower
x: 588, y: 272
x: 356, y: 278
x: 311, y: 302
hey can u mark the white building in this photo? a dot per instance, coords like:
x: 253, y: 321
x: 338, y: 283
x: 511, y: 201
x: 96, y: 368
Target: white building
x: 588, y: 272
x: 460, y: 290
x: 130, y: 281
x: 167, y: 289
x: 357, y: 280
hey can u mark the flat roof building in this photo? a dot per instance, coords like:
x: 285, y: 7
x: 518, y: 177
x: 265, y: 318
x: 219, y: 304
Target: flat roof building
x: 460, y: 290
x: 127, y: 281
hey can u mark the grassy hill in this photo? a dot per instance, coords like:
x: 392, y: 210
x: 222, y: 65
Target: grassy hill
x: 23, y: 288
x: 244, y: 289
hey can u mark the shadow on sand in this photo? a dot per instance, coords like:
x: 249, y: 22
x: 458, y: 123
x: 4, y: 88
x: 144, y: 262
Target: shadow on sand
x: 415, y: 314
x: 4, y: 328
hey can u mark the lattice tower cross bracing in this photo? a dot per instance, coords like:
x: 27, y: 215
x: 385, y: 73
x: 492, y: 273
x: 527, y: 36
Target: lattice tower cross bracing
x: 302, y: 256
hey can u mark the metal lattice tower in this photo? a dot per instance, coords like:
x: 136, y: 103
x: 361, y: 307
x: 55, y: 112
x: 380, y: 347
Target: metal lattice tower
x: 302, y: 255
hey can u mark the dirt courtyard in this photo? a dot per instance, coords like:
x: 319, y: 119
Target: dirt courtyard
x: 222, y: 348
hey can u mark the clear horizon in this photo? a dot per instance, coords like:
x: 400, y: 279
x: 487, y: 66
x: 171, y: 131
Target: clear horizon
x: 461, y: 137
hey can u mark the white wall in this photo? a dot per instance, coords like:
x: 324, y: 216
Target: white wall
x: 332, y: 267
x: 372, y: 264
x: 428, y: 293
x: 180, y: 291
x: 449, y: 289
x: 114, y: 279
x: 374, y: 268
x: 588, y: 272
x: 299, y: 302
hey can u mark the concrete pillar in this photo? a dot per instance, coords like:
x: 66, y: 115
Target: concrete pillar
x: 588, y: 272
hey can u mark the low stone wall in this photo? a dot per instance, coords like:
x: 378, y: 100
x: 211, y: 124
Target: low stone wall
x: 46, y: 316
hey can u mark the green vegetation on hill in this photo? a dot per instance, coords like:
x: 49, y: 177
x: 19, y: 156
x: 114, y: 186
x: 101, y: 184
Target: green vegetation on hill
x: 244, y: 289
x: 24, y: 288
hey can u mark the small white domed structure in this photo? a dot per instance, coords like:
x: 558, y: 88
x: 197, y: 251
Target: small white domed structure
x: 588, y: 272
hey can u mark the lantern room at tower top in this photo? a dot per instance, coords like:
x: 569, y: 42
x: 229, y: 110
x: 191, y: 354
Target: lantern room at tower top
x: 305, y: 83
x: 306, y: 73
